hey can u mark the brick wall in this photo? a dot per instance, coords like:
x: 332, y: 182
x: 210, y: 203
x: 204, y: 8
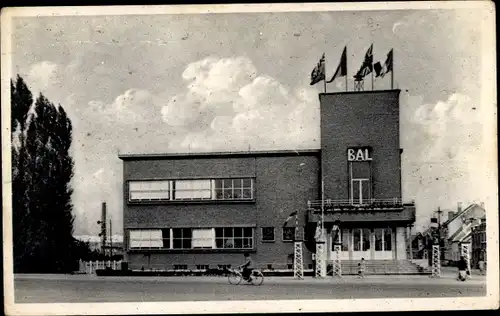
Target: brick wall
x: 282, y: 184
x: 359, y: 119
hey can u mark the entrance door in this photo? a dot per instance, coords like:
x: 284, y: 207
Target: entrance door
x: 361, y: 238
x: 383, y: 243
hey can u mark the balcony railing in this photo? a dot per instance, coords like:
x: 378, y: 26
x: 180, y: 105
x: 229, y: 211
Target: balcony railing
x: 368, y: 203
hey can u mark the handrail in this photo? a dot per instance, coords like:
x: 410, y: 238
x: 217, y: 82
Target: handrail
x: 365, y: 203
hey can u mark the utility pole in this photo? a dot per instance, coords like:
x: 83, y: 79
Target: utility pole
x: 439, y: 231
x: 111, y: 237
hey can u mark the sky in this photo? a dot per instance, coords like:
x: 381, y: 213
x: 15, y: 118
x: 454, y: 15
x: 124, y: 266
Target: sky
x: 240, y: 81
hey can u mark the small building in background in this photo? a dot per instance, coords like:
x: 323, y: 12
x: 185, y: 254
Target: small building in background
x: 478, y: 238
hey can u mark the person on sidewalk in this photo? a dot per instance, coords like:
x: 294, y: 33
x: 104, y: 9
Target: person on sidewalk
x: 482, y: 267
x: 361, y: 268
x: 462, y: 269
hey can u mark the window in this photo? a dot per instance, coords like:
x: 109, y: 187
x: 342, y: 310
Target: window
x: 182, y: 238
x: 366, y: 239
x: 203, y: 238
x: 149, y: 190
x: 180, y: 266
x: 360, y: 182
x: 288, y: 233
x: 146, y: 238
x: 267, y: 233
x: 192, y: 238
x: 192, y: 190
x: 233, y: 189
x: 234, y: 238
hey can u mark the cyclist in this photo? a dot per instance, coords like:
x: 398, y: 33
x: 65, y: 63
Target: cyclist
x: 247, y: 267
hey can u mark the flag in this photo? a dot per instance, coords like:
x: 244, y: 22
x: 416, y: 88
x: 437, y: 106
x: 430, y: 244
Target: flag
x: 380, y: 70
x: 367, y: 66
x: 342, y: 67
x: 318, y: 73
x: 377, y: 67
x: 292, y: 214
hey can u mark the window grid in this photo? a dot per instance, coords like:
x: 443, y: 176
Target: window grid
x: 234, y: 238
x: 189, y: 238
x: 191, y: 190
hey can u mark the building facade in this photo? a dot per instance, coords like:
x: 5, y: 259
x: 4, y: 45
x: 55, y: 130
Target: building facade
x: 478, y: 237
x: 193, y: 211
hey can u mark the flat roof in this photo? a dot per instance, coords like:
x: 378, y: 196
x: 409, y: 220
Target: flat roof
x: 227, y: 154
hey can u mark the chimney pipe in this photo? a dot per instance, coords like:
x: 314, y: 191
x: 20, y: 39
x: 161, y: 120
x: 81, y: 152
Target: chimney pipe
x: 459, y: 207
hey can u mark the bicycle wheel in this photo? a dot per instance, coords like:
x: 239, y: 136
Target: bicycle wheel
x: 257, y: 278
x: 234, y: 278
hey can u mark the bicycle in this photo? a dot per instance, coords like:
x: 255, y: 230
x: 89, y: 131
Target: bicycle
x: 235, y: 277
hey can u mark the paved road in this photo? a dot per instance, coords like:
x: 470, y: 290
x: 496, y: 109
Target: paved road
x: 83, y: 288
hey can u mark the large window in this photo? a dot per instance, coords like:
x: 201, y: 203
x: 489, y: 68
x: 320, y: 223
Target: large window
x: 192, y: 238
x: 234, y: 237
x: 383, y: 239
x: 149, y: 190
x: 360, y: 182
x: 191, y: 190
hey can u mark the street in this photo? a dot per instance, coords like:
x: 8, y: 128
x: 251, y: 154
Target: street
x: 88, y: 288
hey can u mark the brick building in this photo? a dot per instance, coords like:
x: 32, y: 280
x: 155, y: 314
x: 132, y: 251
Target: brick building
x: 189, y: 211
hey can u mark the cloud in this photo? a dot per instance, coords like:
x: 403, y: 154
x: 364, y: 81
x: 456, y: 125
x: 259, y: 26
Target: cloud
x: 131, y: 107
x: 444, y: 152
x: 235, y: 108
x: 42, y: 75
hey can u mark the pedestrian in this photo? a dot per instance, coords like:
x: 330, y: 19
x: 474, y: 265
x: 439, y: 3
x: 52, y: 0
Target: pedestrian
x: 462, y: 269
x: 361, y: 268
x: 482, y: 267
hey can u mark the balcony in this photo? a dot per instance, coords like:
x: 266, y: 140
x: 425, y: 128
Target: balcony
x: 373, y: 210
x: 369, y: 204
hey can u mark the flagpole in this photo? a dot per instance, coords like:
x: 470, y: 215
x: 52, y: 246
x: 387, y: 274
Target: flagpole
x: 372, y: 78
x: 346, y: 87
x: 324, y: 74
x: 392, y: 70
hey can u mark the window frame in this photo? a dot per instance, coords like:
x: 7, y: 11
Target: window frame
x: 283, y: 234
x: 129, y: 191
x: 361, y: 182
x: 246, y: 236
x: 262, y: 234
x: 242, y: 187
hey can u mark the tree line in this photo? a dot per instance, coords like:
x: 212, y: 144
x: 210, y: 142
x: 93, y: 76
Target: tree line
x: 42, y: 170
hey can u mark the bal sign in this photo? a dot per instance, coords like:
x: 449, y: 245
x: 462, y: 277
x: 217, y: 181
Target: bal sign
x: 361, y: 154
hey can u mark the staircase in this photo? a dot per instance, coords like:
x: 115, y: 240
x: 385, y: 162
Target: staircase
x: 380, y: 267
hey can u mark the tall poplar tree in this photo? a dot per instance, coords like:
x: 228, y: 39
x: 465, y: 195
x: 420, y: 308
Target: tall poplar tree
x: 42, y: 173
